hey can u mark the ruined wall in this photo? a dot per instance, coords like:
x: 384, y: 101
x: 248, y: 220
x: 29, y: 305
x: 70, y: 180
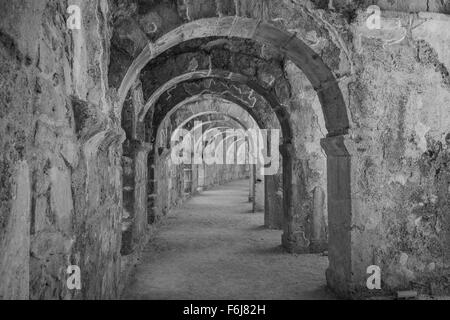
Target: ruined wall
x: 61, y: 189
x: 348, y: 7
x: 399, y: 103
x: 395, y: 82
x: 16, y: 125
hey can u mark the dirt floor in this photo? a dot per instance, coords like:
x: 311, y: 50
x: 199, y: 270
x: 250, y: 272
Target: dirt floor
x: 215, y: 248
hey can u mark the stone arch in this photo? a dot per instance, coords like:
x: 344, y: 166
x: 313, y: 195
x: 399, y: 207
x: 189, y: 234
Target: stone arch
x: 195, y: 176
x: 267, y: 114
x: 206, y: 113
x: 234, y: 112
x: 214, y: 74
x: 320, y: 76
x: 238, y: 60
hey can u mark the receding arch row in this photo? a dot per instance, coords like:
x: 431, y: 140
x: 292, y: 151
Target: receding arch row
x: 249, y: 90
x: 215, y: 74
x: 207, y: 120
x: 241, y: 123
x: 320, y: 76
x: 217, y: 105
x: 239, y: 109
x: 267, y: 69
x: 193, y: 108
x: 196, y: 109
x: 264, y: 115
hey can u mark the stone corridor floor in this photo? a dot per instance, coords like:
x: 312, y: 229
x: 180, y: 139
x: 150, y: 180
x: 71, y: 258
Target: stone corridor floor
x: 213, y: 247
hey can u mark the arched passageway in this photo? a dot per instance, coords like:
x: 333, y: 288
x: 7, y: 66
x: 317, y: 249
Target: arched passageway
x: 363, y: 122
x: 208, y: 107
x: 264, y: 97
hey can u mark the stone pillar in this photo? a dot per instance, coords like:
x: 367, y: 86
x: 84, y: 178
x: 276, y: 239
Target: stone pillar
x: 15, y: 248
x: 340, y: 271
x: 273, y: 202
x: 140, y: 192
x: 273, y: 197
x: 201, y: 177
x: 259, y: 192
x: 251, y: 194
x: 319, y: 240
x: 187, y: 179
x: 134, y: 194
x: 295, y: 238
x: 151, y: 188
x: 194, y: 188
x: 128, y: 186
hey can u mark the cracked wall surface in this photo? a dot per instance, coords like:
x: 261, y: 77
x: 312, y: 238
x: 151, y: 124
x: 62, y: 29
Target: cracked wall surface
x: 53, y: 102
x: 399, y: 106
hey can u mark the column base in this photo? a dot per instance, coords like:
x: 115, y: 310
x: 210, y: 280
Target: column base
x: 347, y: 287
x: 295, y: 243
x: 338, y: 283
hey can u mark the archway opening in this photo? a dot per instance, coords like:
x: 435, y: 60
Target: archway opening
x: 297, y: 230
x: 239, y: 147
x: 215, y: 219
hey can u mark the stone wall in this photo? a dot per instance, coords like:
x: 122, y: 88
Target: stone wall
x: 60, y: 159
x: 399, y: 142
x: 396, y: 85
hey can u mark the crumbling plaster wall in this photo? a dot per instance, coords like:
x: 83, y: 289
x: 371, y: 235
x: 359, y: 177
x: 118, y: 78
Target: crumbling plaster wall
x: 396, y: 85
x: 60, y: 153
x: 399, y: 141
